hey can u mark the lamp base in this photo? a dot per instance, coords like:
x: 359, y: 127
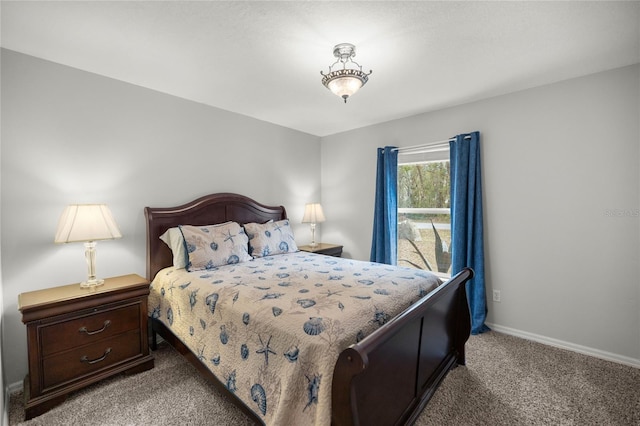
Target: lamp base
x: 313, y: 236
x: 91, y: 283
x: 90, y: 256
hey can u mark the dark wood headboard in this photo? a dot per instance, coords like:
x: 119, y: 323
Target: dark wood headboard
x: 207, y: 210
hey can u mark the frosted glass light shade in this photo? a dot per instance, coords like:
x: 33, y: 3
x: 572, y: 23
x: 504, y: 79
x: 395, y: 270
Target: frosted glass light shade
x: 313, y: 213
x: 345, y: 86
x: 86, y: 222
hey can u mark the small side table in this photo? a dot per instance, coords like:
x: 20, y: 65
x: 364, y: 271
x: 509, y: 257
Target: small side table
x: 78, y: 336
x: 323, y: 248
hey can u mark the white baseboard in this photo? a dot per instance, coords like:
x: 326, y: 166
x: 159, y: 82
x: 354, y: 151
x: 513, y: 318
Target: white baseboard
x: 597, y: 353
x: 14, y: 387
x: 9, y: 390
x: 5, y: 410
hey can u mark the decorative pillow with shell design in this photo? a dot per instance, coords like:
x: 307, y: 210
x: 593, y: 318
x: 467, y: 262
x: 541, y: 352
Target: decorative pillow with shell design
x: 267, y: 239
x: 215, y: 245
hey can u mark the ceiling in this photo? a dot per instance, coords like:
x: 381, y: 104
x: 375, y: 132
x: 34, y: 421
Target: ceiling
x: 263, y: 59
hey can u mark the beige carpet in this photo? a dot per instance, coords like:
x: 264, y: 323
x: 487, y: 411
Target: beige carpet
x: 507, y: 381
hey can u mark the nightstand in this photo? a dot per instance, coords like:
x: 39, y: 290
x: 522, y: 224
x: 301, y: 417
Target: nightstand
x: 322, y: 248
x: 78, y: 336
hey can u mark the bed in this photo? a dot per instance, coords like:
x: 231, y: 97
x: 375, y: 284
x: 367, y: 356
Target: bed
x: 395, y: 334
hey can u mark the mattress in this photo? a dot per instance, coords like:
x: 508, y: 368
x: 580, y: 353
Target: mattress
x: 271, y: 328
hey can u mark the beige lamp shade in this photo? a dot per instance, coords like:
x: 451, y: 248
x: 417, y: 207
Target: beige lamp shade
x: 86, y: 222
x: 313, y: 213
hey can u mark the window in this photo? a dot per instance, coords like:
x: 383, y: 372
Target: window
x: 424, y: 214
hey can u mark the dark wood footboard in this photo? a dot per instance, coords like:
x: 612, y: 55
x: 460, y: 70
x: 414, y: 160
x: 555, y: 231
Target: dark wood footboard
x: 388, y: 378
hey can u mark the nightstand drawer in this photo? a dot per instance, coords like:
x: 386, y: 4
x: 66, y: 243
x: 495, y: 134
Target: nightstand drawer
x: 85, y: 360
x: 88, y: 328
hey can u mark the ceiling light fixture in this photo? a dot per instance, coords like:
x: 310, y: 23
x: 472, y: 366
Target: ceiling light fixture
x: 346, y: 81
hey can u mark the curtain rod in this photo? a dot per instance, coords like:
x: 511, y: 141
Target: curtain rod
x: 427, y: 145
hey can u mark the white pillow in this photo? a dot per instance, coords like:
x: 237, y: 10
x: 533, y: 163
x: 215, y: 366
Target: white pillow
x: 174, y: 239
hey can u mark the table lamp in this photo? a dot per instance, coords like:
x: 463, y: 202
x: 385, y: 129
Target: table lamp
x: 87, y: 223
x: 313, y: 214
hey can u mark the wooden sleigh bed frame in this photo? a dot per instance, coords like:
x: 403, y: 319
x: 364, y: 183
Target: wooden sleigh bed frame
x: 385, y: 379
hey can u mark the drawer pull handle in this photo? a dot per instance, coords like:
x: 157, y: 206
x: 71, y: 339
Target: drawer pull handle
x: 107, y: 323
x: 86, y: 359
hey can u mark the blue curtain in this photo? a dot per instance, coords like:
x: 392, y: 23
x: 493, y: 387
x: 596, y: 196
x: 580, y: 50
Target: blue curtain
x: 384, y: 248
x: 467, y: 243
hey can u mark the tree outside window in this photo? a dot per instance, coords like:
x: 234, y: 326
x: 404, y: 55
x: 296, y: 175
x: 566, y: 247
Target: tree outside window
x: 424, y: 215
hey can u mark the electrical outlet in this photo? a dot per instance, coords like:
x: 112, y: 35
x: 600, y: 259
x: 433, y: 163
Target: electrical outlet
x: 496, y: 295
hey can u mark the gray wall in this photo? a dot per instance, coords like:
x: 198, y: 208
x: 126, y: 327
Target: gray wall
x: 69, y: 136
x: 560, y: 163
x: 557, y: 161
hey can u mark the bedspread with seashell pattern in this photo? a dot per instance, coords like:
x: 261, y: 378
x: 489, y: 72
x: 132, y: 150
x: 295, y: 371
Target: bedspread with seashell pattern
x: 271, y: 328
